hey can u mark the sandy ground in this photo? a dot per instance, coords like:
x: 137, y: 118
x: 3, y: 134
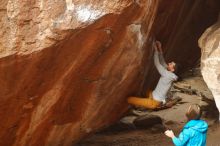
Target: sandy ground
x: 173, y: 118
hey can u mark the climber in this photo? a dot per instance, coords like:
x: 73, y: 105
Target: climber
x: 157, y: 98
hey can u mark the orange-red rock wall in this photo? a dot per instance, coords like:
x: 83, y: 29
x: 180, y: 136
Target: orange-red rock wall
x: 63, y: 76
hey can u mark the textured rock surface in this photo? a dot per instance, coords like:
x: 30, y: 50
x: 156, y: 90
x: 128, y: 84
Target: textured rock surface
x: 210, y: 60
x: 66, y: 67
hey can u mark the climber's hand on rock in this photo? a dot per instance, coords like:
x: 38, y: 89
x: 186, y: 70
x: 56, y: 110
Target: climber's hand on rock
x: 159, y: 46
x: 160, y: 50
x: 155, y: 46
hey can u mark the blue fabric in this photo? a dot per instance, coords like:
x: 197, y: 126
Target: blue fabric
x: 193, y: 134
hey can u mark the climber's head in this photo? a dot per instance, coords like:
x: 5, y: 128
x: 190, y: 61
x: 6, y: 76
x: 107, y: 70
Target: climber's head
x: 173, y: 67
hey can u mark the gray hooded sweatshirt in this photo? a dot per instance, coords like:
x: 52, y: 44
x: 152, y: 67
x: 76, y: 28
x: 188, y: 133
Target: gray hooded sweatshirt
x: 166, y: 79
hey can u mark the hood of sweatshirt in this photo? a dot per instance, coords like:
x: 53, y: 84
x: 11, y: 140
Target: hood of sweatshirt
x: 198, y: 125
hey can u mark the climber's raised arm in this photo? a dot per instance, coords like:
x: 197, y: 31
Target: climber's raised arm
x: 161, y: 57
x: 161, y: 69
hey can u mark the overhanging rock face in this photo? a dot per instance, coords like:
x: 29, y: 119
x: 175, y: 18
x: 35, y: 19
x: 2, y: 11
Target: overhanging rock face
x: 210, y: 60
x: 67, y: 67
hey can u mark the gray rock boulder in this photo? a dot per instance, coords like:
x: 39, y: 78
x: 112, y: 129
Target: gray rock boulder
x: 210, y: 60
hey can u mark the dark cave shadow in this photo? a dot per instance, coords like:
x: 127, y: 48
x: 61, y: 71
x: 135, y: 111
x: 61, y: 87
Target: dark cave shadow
x: 210, y: 110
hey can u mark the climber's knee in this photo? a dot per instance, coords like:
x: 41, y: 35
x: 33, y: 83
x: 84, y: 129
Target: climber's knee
x: 148, y: 103
x: 135, y: 100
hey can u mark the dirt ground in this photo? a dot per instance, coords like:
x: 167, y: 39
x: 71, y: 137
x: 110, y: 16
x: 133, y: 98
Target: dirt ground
x: 191, y: 90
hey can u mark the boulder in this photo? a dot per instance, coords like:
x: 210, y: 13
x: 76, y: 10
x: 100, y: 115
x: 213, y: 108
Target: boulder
x: 210, y: 60
x: 67, y: 66
x: 147, y: 121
